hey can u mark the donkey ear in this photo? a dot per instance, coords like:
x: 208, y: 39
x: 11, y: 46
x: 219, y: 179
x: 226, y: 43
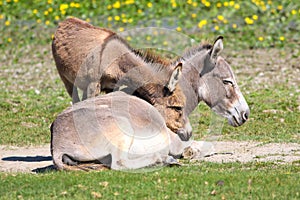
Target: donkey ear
x: 175, y: 77
x: 217, y: 47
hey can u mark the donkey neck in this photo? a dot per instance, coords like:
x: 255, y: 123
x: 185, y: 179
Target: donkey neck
x: 192, y: 67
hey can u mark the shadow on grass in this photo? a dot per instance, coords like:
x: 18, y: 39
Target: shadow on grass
x: 28, y: 158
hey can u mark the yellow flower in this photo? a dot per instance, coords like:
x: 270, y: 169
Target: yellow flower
x: 8, y: 1
x: 52, y: 36
x: 16, y: 1
x: 178, y: 29
x: 77, y: 5
x: 109, y: 18
x: 226, y: 4
x: 88, y: 20
x: 231, y: 3
x: 148, y: 38
x: 7, y: 23
x: 269, y: 2
x: 219, y: 5
x: 217, y: 27
x: 109, y: 7
x: 281, y: 38
x: 260, y: 38
x: 255, y: 17
x: 165, y: 43
x: 63, y: 12
x: 117, y: 4
x: 189, y: 1
x: 220, y: 17
x: 263, y: 8
x: 50, y: 9
x: 117, y: 18
x: 294, y: 12
x: 207, y: 4
x: 124, y: 20
x: 202, y: 23
x: 121, y: 29
x: 234, y: 26
x: 63, y: 7
x: 46, y: 12
x: 174, y: 5
x: 123, y: 15
x: 140, y: 11
x: 49, y: 1
x: 130, y: 20
x: 72, y: 4
x: 9, y: 39
x: 225, y: 21
x: 1, y: 16
x: 128, y: 2
x: 237, y: 6
x: 38, y: 21
x: 35, y: 11
x: 195, y: 4
x: 47, y: 22
x: 149, y: 5
x: 1, y: 3
x: 249, y: 21
x: 128, y: 38
x: 56, y: 17
x: 194, y: 15
x: 279, y: 7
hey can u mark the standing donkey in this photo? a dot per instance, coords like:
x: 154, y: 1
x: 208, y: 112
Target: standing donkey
x: 95, y: 60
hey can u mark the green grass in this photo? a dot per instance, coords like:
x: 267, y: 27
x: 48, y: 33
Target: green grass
x: 278, y: 21
x: 203, y: 181
x: 274, y: 118
x: 32, y: 95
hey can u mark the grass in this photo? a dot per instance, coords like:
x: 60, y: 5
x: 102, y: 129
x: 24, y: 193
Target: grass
x: 32, y: 94
x: 203, y: 181
x: 204, y: 19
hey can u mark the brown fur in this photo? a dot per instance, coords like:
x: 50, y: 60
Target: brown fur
x: 96, y: 59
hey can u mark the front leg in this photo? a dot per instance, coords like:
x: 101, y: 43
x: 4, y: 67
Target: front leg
x: 93, y: 89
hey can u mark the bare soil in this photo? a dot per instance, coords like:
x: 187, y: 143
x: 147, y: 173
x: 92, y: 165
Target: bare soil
x: 38, y: 159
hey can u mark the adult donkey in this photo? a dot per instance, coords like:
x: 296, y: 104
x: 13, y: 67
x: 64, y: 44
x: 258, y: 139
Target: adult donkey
x: 207, y: 77
x: 117, y: 130
x: 95, y: 60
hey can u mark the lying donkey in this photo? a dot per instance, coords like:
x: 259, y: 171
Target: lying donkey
x: 95, y: 60
x: 117, y: 130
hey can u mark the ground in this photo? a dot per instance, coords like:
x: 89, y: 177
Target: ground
x: 38, y: 158
x: 255, y: 69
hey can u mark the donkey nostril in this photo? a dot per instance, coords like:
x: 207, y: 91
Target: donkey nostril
x: 245, y: 116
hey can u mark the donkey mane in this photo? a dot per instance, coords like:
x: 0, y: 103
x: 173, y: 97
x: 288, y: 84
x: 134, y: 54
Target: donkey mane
x: 150, y: 56
x: 189, y: 52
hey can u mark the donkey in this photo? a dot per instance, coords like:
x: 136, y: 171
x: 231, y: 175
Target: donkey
x: 207, y: 77
x: 117, y: 130
x: 97, y: 60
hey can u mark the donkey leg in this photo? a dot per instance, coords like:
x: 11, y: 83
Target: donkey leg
x: 71, y: 89
x: 92, y: 90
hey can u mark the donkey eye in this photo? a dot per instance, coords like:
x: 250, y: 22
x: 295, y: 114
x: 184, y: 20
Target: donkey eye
x: 227, y: 82
x: 177, y: 108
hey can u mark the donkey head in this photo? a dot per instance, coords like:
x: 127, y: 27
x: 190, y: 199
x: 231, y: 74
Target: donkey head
x: 218, y: 87
x: 160, y: 88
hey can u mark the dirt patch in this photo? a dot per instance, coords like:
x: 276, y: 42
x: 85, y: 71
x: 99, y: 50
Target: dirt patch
x: 38, y: 159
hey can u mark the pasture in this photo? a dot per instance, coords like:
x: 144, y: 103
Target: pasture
x: 261, y: 43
